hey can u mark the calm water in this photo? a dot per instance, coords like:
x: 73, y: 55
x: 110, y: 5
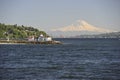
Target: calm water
x: 76, y: 59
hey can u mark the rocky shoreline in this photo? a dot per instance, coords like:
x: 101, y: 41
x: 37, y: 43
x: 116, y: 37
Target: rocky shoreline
x: 28, y: 42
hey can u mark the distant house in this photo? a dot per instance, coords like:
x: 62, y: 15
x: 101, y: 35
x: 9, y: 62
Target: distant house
x: 31, y: 38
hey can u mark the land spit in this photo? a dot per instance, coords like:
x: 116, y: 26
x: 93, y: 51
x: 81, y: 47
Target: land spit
x: 28, y: 42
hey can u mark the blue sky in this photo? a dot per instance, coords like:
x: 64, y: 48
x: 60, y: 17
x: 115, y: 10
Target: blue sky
x: 48, y: 14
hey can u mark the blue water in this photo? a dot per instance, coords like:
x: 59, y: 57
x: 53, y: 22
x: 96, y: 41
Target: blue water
x: 76, y: 59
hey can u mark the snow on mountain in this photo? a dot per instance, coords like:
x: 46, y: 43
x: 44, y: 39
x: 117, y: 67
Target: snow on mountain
x: 82, y: 26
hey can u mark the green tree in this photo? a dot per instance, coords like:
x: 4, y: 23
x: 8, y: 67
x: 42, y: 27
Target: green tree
x: 16, y: 31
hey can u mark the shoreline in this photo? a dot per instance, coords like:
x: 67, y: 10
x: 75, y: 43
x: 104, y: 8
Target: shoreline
x: 29, y: 42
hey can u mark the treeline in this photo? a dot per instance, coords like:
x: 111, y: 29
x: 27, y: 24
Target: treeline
x: 18, y: 32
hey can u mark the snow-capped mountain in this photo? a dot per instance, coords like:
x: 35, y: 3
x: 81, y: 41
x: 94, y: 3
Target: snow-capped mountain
x: 82, y: 26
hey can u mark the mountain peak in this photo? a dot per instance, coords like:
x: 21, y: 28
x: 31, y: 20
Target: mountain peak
x: 82, y: 26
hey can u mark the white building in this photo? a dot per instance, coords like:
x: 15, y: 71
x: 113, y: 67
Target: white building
x: 48, y: 39
x: 31, y: 38
x: 41, y: 38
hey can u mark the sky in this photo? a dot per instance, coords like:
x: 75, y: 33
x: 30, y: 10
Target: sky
x: 49, y: 14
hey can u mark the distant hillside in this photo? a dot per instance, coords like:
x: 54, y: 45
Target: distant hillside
x: 105, y: 35
x: 18, y: 32
x: 109, y: 35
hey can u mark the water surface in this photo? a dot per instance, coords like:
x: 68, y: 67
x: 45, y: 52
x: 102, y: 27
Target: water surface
x: 76, y: 59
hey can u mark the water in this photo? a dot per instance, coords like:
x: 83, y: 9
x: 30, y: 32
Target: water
x: 76, y: 59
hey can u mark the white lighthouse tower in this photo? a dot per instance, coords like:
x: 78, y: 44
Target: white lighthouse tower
x: 41, y: 38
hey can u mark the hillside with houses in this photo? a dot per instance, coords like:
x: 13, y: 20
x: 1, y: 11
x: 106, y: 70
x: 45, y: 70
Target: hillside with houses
x: 19, y: 32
